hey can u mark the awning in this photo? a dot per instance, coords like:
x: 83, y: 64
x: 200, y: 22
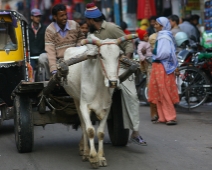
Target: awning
x: 146, y: 9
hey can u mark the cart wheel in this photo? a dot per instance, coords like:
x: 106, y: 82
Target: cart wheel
x: 118, y: 135
x: 23, y: 121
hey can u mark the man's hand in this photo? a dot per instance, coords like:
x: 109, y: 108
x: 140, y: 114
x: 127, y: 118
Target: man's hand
x: 177, y: 72
x: 129, y: 55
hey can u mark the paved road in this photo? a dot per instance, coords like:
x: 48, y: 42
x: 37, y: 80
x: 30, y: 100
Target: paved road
x: 187, y: 146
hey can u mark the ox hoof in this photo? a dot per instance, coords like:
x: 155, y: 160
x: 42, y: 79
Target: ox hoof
x: 95, y: 165
x: 85, y: 158
x: 102, y: 161
x: 94, y: 162
x: 81, y: 152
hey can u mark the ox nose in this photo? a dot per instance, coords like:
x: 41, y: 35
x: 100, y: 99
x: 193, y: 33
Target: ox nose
x: 113, y: 84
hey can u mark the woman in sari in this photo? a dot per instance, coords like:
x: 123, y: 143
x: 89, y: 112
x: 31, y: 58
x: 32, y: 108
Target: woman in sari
x: 162, y: 86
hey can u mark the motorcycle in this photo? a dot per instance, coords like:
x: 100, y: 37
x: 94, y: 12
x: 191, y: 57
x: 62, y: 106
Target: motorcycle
x: 141, y: 82
x: 195, y: 69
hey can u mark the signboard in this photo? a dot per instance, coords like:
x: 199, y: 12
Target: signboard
x: 208, y: 16
x: 193, y: 5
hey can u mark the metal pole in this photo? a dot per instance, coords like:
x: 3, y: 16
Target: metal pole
x: 0, y: 4
x: 117, y: 12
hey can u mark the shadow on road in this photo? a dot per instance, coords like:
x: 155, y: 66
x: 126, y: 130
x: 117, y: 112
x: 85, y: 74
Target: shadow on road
x: 7, y: 127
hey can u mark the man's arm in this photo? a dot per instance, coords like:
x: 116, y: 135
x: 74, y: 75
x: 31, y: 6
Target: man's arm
x: 126, y: 46
x: 50, y: 49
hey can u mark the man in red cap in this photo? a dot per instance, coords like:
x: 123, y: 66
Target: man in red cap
x: 130, y: 104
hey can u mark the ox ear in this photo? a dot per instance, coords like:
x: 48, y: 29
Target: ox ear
x: 90, y: 41
x: 126, y: 37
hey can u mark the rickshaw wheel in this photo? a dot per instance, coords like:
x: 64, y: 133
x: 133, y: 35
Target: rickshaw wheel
x: 23, y: 121
x: 118, y: 135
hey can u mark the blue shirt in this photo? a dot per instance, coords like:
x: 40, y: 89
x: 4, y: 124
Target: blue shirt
x: 62, y: 32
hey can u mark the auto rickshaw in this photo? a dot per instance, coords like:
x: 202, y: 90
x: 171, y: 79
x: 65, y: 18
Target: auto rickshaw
x: 14, y: 60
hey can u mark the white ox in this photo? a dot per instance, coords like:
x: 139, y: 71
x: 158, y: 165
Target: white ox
x: 89, y: 84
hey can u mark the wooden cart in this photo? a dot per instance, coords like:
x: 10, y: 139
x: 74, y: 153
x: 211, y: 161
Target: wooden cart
x: 32, y: 109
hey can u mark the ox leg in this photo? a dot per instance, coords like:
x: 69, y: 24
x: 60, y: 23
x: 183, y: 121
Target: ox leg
x: 93, y: 157
x: 101, y: 134
x: 83, y: 145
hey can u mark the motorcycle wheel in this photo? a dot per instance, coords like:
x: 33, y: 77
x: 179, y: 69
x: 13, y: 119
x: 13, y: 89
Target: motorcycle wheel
x: 194, y: 87
x: 145, y: 93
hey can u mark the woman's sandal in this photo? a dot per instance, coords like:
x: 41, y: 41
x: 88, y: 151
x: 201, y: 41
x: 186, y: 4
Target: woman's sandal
x: 171, y: 122
x: 155, y: 119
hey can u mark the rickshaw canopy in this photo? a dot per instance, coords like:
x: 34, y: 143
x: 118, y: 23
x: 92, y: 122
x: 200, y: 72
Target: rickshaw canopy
x: 14, y: 44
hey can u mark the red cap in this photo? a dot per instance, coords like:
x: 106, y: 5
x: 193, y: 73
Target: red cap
x: 141, y: 33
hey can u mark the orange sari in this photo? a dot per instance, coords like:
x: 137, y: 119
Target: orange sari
x: 162, y: 91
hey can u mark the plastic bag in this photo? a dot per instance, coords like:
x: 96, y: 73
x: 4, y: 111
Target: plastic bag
x: 207, y: 40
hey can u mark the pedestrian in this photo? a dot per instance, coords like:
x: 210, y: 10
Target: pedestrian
x: 60, y: 35
x: 151, y: 30
x: 144, y: 24
x: 162, y: 89
x: 77, y: 16
x: 36, y: 36
x: 7, y: 6
x: 189, y: 29
x: 195, y: 22
x: 130, y: 105
x: 84, y: 27
x: 124, y: 28
x: 20, y: 7
x: 174, y: 21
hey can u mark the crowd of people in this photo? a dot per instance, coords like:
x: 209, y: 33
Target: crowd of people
x: 155, y: 43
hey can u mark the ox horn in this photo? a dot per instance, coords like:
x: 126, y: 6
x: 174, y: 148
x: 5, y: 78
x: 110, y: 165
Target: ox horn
x: 126, y: 37
x: 90, y: 41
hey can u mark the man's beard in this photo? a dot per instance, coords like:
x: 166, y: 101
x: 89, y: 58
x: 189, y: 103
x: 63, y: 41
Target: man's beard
x: 92, y: 28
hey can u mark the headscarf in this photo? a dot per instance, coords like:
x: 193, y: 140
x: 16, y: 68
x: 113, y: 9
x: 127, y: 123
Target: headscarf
x: 166, y: 30
x: 141, y: 33
x: 144, y: 24
x: 171, y: 63
x: 164, y: 22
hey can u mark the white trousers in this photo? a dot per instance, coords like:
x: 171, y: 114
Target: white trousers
x: 130, y: 103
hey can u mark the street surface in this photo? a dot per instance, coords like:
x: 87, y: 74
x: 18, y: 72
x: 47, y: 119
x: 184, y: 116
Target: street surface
x: 186, y: 146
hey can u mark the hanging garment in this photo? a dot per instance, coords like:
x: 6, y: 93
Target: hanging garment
x: 146, y: 9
